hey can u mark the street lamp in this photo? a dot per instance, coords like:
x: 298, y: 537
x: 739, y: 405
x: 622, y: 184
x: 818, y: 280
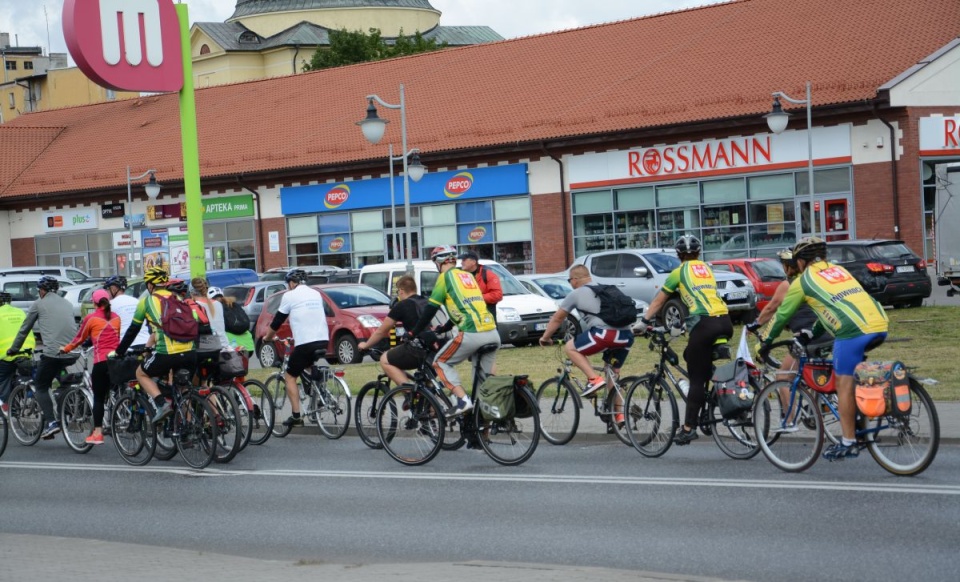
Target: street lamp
x: 373, y: 127
x: 153, y: 190
x: 777, y: 122
x: 416, y: 170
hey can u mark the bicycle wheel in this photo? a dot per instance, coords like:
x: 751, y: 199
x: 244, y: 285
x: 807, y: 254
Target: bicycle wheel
x: 616, y: 420
x: 244, y: 415
x: 166, y: 447
x: 906, y: 446
x: 789, y: 437
x: 734, y: 436
x: 26, y: 420
x: 410, y: 425
x: 277, y: 388
x: 195, y: 431
x: 132, y: 434
x: 4, y: 431
x: 333, y: 409
x: 511, y: 441
x: 831, y: 417
x: 227, y: 418
x: 559, y: 411
x: 365, y: 411
x: 652, y: 416
x: 76, y: 420
x: 262, y: 417
x: 453, y: 438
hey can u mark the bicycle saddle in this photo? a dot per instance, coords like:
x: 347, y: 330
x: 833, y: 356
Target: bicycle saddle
x: 488, y: 348
x: 720, y: 352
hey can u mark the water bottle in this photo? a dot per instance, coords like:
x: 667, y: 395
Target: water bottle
x: 684, y: 386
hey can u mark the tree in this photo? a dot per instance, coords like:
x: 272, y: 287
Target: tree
x: 348, y: 48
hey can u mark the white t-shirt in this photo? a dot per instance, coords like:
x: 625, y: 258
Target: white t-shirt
x: 215, y: 314
x: 124, y: 306
x: 308, y: 320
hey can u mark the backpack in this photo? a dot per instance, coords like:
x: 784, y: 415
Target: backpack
x: 616, y: 309
x: 733, y: 391
x: 176, y: 319
x: 203, y: 320
x: 235, y: 319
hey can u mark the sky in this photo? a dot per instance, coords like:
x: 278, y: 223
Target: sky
x: 30, y: 21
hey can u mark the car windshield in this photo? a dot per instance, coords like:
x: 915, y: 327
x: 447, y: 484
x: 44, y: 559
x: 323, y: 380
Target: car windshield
x: 87, y: 294
x: 892, y: 251
x: 356, y: 296
x: 662, y: 262
x: 769, y: 270
x: 238, y: 292
x: 273, y: 276
x: 554, y: 287
x: 509, y: 283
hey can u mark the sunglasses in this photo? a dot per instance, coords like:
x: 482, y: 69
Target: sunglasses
x: 572, y: 279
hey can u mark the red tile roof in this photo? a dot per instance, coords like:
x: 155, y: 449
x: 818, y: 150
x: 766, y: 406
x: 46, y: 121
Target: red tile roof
x: 714, y: 62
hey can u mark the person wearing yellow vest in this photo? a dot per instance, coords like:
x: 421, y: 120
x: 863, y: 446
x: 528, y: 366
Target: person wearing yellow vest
x: 11, y: 318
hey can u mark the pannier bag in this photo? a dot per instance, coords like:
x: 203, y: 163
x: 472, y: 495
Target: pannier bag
x: 496, y: 398
x: 820, y: 377
x: 122, y: 370
x: 734, y: 393
x: 882, y: 388
x: 232, y: 364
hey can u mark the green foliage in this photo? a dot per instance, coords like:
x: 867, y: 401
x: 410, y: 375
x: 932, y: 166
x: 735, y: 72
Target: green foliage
x: 348, y: 48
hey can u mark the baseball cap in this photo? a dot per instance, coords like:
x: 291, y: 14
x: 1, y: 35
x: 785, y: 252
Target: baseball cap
x: 469, y: 255
x: 100, y: 295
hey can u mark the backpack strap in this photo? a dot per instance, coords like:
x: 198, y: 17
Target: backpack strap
x: 595, y: 294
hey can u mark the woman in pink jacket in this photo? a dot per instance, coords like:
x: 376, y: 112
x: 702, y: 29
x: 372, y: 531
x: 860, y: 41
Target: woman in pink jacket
x: 103, y: 328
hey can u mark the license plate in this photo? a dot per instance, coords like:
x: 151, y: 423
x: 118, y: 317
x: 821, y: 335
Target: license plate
x: 906, y: 269
x: 540, y: 326
x: 734, y: 295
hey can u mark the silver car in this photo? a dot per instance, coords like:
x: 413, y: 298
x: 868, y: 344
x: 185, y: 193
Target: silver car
x: 556, y: 287
x: 251, y: 296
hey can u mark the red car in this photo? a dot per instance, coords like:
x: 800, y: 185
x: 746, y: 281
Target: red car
x: 354, y: 312
x: 765, y: 274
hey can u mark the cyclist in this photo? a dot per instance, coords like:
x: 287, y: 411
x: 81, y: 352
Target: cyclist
x: 212, y: 336
x: 459, y: 291
x: 11, y: 318
x: 168, y: 354
x: 843, y: 307
x: 404, y: 315
x: 53, y: 317
x: 102, y: 327
x: 597, y: 336
x: 308, y: 324
x: 244, y: 340
x: 708, y: 322
x: 124, y: 306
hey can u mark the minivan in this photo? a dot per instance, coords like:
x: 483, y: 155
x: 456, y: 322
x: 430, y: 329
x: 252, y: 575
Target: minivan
x: 521, y: 315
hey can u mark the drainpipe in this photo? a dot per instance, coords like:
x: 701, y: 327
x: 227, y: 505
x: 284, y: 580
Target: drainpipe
x: 893, y: 172
x: 256, y: 199
x: 563, y: 204
x: 295, y: 53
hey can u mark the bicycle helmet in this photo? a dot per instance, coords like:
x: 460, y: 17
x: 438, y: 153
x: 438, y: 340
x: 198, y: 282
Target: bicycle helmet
x: 5, y: 298
x: 442, y: 254
x: 178, y: 286
x: 214, y: 292
x: 156, y: 276
x: 296, y: 276
x: 688, y: 244
x: 786, y: 256
x: 809, y: 249
x: 116, y: 281
x: 48, y: 283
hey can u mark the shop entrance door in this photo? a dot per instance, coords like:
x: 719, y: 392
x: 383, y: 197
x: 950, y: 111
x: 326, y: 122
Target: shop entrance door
x: 78, y: 261
x: 831, y: 215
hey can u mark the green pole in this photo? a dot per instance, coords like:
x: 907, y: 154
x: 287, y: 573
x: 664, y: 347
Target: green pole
x: 191, y: 152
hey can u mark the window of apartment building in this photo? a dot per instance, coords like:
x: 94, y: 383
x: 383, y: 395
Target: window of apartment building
x: 11, y: 65
x: 28, y: 65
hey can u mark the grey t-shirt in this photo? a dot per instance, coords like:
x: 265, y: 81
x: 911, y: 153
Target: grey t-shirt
x: 587, y: 303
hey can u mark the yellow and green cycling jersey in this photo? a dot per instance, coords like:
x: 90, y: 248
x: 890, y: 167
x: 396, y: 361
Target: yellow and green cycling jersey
x: 458, y: 291
x: 149, y: 309
x: 841, y: 304
x: 698, y: 289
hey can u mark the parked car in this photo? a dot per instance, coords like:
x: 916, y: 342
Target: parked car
x: 765, y: 274
x: 556, y: 287
x: 888, y: 270
x: 640, y: 273
x: 64, y: 273
x: 252, y: 296
x: 76, y: 294
x: 316, y: 274
x: 23, y: 288
x: 354, y: 312
x: 224, y: 277
x: 135, y: 288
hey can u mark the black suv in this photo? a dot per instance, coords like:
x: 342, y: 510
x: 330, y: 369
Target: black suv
x: 887, y: 269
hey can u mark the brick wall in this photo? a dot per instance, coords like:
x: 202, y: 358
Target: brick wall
x: 23, y: 251
x: 548, y: 233
x: 873, y: 200
x: 279, y: 258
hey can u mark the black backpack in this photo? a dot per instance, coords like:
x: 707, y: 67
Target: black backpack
x: 616, y: 309
x: 235, y: 319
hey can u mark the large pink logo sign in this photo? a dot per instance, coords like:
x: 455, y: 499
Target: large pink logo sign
x: 127, y: 45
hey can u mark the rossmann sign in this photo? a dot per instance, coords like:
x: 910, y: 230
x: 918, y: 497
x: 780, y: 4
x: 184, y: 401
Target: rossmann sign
x: 734, y: 155
x: 940, y: 136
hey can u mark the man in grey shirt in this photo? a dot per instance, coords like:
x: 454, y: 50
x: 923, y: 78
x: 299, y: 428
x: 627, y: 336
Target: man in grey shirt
x: 597, y: 336
x: 51, y: 318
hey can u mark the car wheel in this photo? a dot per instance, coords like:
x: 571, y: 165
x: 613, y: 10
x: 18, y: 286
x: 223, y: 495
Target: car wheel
x: 267, y: 354
x: 570, y: 327
x: 674, y: 314
x: 345, y: 350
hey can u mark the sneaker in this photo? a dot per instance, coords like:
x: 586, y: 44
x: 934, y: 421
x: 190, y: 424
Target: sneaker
x: 685, y: 437
x: 293, y: 421
x: 162, y: 412
x: 52, y: 429
x: 786, y: 428
x: 841, y: 451
x: 462, y: 407
x: 619, y: 419
x: 94, y: 439
x: 593, y: 385
x: 6, y: 409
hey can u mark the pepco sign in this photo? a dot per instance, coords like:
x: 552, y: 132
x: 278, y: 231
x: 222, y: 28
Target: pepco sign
x: 336, y: 196
x: 458, y: 185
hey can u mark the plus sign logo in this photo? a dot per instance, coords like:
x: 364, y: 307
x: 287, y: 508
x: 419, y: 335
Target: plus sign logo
x: 127, y: 45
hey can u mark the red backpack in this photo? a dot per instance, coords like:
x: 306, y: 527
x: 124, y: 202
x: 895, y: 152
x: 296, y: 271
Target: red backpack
x: 176, y: 319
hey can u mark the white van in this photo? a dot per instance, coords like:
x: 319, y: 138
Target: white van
x: 68, y: 273
x: 521, y: 316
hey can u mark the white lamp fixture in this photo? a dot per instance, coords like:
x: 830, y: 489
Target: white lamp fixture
x: 777, y: 122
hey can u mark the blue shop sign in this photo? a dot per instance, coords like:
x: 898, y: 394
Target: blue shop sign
x: 433, y: 188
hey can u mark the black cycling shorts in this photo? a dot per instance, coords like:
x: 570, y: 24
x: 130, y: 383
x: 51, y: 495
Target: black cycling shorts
x: 303, y: 357
x: 406, y: 356
x: 159, y: 365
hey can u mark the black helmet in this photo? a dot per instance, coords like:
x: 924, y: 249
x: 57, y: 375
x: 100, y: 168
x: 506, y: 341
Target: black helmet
x: 5, y: 298
x: 296, y: 276
x: 809, y: 249
x: 178, y: 286
x: 116, y: 281
x: 48, y: 283
x: 688, y: 244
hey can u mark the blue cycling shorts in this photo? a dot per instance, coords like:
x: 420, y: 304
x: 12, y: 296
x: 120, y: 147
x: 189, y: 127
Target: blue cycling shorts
x: 847, y: 353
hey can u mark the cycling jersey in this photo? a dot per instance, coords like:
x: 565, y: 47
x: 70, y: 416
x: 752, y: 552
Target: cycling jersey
x: 842, y: 306
x: 459, y: 292
x: 698, y: 289
x: 149, y: 309
x: 308, y: 319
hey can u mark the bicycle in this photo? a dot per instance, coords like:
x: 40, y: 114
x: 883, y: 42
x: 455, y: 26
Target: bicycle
x: 411, y: 422
x: 653, y: 415
x: 324, y: 396
x: 560, y: 401
x: 133, y: 435
x: 4, y: 432
x: 792, y: 435
x: 26, y: 417
x: 76, y: 408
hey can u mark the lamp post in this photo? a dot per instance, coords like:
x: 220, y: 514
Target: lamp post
x: 777, y: 122
x: 416, y: 171
x: 373, y: 127
x: 153, y: 190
